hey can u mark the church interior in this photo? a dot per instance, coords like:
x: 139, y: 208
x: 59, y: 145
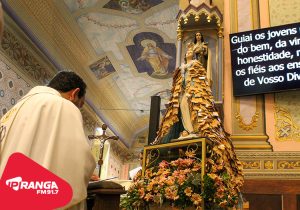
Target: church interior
x: 108, y: 43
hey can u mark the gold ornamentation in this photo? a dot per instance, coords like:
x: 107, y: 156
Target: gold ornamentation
x: 251, y: 164
x: 220, y: 32
x: 210, y: 13
x: 285, y: 127
x: 285, y: 165
x: 269, y: 164
x: 179, y: 32
x: 249, y: 126
x: 28, y: 63
x: 288, y: 164
x: 185, y: 20
x: 208, y: 18
x: 152, y: 157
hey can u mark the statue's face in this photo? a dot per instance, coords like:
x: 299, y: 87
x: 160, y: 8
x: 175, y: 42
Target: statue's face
x: 198, y: 36
x: 150, y: 45
x: 189, y: 54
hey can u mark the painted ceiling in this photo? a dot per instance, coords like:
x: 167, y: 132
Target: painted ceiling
x: 124, y: 49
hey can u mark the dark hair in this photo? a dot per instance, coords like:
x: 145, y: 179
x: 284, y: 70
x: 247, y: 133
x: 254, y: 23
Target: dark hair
x: 65, y: 81
x: 195, y: 40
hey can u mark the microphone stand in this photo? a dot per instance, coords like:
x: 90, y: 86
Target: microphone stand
x: 102, y: 139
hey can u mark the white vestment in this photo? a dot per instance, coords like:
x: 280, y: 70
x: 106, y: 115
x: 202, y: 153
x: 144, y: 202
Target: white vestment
x: 49, y: 129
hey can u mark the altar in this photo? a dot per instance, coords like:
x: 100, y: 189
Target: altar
x: 104, y: 195
x: 178, y: 169
x: 186, y: 173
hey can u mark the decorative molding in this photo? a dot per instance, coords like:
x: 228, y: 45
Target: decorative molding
x: 179, y: 32
x: 123, y: 153
x: 251, y: 125
x: 18, y: 52
x: 270, y: 164
x: 116, y: 26
x: 161, y: 23
x: 221, y: 32
x: 268, y: 155
x: 290, y: 164
x: 285, y: 127
x: 249, y: 137
x: 208, y: 11
x: 89, y: 122
x: 276, y: 175
x: 251, y: 164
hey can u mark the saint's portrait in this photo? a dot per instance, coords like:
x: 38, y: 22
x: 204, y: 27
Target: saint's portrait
x: 152, y: 55
x: 102, y: 68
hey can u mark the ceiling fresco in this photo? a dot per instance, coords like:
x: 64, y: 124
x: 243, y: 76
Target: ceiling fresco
x: 151, y: 55
x: 142, y: 49
x: 74, y: 5
x: 125, y: 50
x: 105, y: 31
x: 147, y: 64
x: 132, y: 6
x: 164, y: 20
x: 102, y: 68
x: 138, y: 90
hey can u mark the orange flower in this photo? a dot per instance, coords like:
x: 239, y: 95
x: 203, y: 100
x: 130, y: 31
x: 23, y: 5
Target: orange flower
x: 170, y: 181
x: 190, y: 154
x: 176, y: 162
x: 181, y: 178
x: 186, y: 171
x: 223, y: 204
x: 150, y: 186
x: 212, y: 176
x: 148, y: 173
x: 210, y: 161
x: 176, y: 173
x: 187, y: 162
x: 220, y: 192
x: 171, y: 193
x: 141, y: 192
x: 219, y: 167
x: 166, y: 172
x: 197, y: 166
x: 188, y: 191
x: 148, y: 197
x: 161, y: 179
x: 163, y: 164
x: 197, y: 199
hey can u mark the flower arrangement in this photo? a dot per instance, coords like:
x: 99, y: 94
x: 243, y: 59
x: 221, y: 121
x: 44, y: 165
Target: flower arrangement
x: 178, y: 183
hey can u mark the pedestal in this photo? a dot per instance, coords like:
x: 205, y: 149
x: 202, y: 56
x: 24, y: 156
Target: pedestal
x: 104, y: 196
